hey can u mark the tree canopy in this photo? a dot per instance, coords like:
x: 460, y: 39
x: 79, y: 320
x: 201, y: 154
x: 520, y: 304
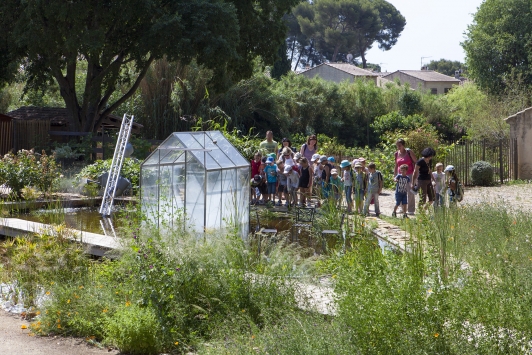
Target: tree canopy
x: 117, y: 41
x: 445, y: 66
x: 498, y: 44
x: 340, y: 27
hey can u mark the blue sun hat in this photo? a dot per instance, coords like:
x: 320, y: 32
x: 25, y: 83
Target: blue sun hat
x: 269, y: 160
x: 331, y: 159
x: 344, y: 163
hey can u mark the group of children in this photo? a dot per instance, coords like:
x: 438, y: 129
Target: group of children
x: 443, y: 181
x: 277, y: 178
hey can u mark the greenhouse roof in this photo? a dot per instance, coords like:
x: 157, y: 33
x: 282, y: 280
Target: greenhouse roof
x: 210, y: 148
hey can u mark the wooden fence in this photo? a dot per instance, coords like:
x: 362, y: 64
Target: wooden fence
x: 6, y: 137
x: 501, y: 154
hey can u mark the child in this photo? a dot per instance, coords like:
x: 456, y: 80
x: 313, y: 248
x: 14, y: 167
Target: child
x: 359, y: 187
x: 271, y: 176
x: 374, y: 188
x: 362, y: 161
x: 257, y: 183
x: 292, y: 184
x: 255, y: 170
x: 347, y: 179
x: 336, y: 186
x: 326, y: 168
x: 401, y: 190
x: 281, y: 178
x: 452, y: 184
x: 438, y: 183
x: 305, y: 180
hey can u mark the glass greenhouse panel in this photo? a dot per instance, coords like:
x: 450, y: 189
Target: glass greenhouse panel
x: 198, y: 175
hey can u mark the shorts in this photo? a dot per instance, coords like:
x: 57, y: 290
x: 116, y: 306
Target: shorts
x: 401, y: 198
x: 359, y: 195
x: 348, y: 192
x: 282, y: 188
x: 272, y: 187
x: 426, y: 190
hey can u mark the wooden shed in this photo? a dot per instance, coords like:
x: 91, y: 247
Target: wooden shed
x: 6, y: 134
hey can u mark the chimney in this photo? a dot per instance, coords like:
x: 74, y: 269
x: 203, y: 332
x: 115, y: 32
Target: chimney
x: 457, y: 74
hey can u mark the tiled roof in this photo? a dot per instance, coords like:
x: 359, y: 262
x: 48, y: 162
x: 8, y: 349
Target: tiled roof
x: 58, y: 116
x: 426, y: 75
x: 347, y: 68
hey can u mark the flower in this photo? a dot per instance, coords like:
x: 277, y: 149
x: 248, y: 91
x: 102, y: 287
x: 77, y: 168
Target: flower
x: 80, y: 287
x: 47, y: 293
x: 452, y: 227
x: 436, y: 335
x: 68, y: 301
x: 59, y: 326
x: 176, y: 343
x: 23, y: 326
x: 104, y: 310
x: 128, y: 304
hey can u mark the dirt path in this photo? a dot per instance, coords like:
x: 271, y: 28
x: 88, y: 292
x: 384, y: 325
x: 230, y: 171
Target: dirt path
x: 17, y: 341
x: 514, y: 196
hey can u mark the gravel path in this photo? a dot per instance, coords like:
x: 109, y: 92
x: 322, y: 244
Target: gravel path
x: 515, y: 196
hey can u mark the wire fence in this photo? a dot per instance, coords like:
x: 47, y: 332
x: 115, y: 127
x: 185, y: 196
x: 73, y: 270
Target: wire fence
x: 500, y: 153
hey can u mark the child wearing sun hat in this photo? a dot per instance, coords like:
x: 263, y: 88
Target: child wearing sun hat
x: 347, y: 180
x: 336, y: 186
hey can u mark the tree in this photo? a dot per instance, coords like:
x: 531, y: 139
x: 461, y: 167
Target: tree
x: 119, y: 40
x: 350, y: 26
x: 281, y: 65
x: 498, y: 44
x: 445, y: 66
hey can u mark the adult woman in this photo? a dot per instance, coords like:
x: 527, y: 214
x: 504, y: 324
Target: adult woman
x: 305, y: 181
x: 285, y: 143
x: 310, y: 148
x: 404, y: 155
x: 423, y: 176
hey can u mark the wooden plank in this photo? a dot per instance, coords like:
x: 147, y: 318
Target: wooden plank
x: 97, y: 244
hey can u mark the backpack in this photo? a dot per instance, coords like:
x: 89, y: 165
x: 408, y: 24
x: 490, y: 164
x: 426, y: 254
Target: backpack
x: 409, y: 155
x: 459, y: 194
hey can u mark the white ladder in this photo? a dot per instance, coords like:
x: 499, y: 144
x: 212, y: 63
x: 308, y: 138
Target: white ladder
x: 116, y: 165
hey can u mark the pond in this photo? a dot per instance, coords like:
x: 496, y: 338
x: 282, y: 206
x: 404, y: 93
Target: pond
x: 87, y: 219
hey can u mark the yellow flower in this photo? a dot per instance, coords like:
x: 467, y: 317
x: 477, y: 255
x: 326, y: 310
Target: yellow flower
x: 436, y: 335
x: 68, y: 301
x: 23, y: 326
x: 38, y: 312
x: 59, y: 326
x: 452, y: 227
x: 252, y: 337
x: 104, y: 310
x: 176, y: 343
x: 80, y: 287
x: 128, y: 304
x: 243, y: 311
x: 47, y: 293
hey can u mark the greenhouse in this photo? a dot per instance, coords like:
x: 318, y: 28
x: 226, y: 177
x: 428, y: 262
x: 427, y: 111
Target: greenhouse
x: 199, y: 178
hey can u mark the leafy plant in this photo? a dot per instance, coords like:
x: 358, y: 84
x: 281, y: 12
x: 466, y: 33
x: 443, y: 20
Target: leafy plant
x: 482, y: 173
x: 130, y: 170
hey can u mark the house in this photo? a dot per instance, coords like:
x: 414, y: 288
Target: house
x: 426, y: 80
x: 338, y: 72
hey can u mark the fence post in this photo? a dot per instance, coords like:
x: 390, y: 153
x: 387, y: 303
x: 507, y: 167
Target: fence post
x: 466, y: 170
x: 484, y: 149
x: 501, y: 168
x: 516, y: 160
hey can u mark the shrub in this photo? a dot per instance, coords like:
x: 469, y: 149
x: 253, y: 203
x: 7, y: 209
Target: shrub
x: 25, y: 169
x: 134, y: 330
x: 482, y: 173
x: 130, y: 170
x: 394, y: 121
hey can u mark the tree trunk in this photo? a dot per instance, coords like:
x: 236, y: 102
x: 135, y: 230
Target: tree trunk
x: 363, y: 57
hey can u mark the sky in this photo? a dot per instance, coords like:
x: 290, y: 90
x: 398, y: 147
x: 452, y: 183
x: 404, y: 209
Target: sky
x: 434, y: 29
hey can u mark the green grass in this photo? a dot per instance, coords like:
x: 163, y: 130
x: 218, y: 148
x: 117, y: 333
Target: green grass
x: 464, y: 289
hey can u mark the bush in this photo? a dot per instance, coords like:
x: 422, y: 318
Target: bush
x: 394, y: 121
x: 134, y: 330
x: 25, y: 169
x: 130, y: 170
x: 482, y: 173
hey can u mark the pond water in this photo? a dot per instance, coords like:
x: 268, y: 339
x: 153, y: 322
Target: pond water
x: 87, y: 219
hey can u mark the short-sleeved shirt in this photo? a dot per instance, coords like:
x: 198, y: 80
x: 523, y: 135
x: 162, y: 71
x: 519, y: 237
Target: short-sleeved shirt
x: 402, y: 184
x: 255, y: 167
x: 373, y: 181
x: 348, y: 178
x: 281, y: 178
x: 359, y: 180
x: 440, y: 181
x: 271, y: 172
x: 424, y: 170
x: 270, y: 147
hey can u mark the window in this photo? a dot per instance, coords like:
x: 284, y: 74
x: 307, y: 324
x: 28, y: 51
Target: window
x: 434, y: 91
x: 446, y: 90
